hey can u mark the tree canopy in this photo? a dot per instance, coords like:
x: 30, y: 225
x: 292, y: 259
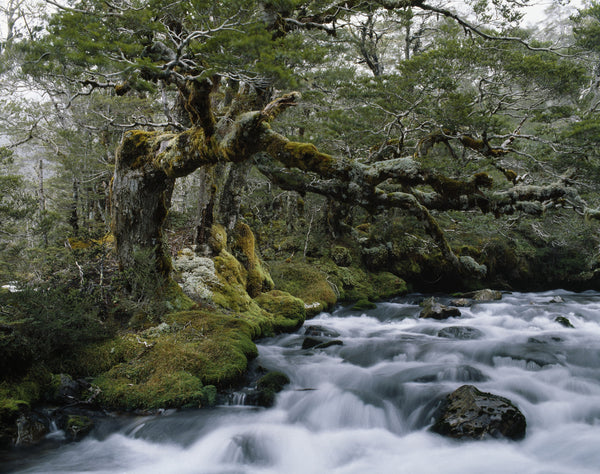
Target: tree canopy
x: 412, y: 105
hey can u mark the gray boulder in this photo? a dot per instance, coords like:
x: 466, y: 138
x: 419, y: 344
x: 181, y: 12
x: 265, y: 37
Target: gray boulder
x: 469, y: 413
x: 460, y: 332
x: 434, y: 310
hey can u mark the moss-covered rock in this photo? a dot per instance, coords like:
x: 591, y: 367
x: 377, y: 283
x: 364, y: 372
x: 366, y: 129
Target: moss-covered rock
x: 16, y: 398
x: 363, y: 305
x: 306, y: 282
x: 177, y: 367
x: 77, y: 427
x: 269, y: 385
x: 287, y: 310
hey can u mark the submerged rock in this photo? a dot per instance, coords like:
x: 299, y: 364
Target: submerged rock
x: 363, y: 304
x: 324, y: 345
x: 469, y: 413
x: 462, y: 302
x: 268, y: 386
x: 433, y: 309
x: 310, y: 342
x: 460, y: 332
x: 319, y: 331
x: 564, y: 321
x: 484, y: 295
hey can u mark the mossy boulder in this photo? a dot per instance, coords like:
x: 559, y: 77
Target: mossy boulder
x: 363, y: 304
x: 288, y: 311
x: 11, y: 410
x: 268, y: 386
x: 76, y: 427
x: 306, y: 282
x: 179, y: 367
x: 16, y: 399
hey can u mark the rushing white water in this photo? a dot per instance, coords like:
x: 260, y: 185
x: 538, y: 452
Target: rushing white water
x: 365, y: 406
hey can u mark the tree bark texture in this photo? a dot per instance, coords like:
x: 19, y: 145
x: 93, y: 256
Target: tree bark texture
x: 147, y: 163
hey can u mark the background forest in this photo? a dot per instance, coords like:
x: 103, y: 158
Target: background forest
x: 465, y: 144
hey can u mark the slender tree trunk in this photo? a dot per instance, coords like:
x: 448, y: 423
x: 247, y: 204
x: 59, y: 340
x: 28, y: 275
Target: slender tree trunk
x: 42, y: 201
x: 74, y: 217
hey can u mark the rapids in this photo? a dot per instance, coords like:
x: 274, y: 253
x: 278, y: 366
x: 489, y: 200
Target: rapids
x: 365, y: 406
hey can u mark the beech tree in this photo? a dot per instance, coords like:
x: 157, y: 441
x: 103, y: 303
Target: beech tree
x: 215, y: 66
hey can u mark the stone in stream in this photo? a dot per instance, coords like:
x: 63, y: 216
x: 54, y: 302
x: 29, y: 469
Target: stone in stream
x: 266, y: 388
x: 319, y: 343
x: 460, y: 332
x: 564, y: 322
x: 310, y: 342
x: 469, y: 413
x: 462, y: 302
x: 77, y: 426
x: 484, y: 295
x: 433, y: 309
x: 319, y: 331
x: 31, y: 428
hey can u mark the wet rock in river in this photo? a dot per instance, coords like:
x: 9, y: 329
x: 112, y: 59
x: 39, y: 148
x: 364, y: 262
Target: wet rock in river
x: 31, y: 428
x: 319, y: 331
x: 267, y: 387
x: 564, y: 322
x: 310, y: 342
x: 460, y: 332
x: 434, y: 310
x: 484, y: 295
x: 319, y: 343
x: 324, y: 345
x: 77, y: 426
x: 469, y: 413
x: 462, y: 302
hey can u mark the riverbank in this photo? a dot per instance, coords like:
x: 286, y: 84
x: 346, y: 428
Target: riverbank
x: 368, y: 402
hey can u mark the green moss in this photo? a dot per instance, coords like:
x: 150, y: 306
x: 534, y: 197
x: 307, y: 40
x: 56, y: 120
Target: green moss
x: 305, y: 282
x: 77, y: 426
x: 175, y: 368
x: 134, y: 149
x: 100, y: 357
x: 274, y: 381
x: 288, y: 312
x: 364, y: 304
x: 341, y: 256
x: 218, y: 238
x: 303, y: 156
x: 174, y: 297
x: 354, y: 283
x: 231, y: 293
x: 244, y: 243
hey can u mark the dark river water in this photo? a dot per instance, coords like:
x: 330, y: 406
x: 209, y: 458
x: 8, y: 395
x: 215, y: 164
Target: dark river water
x: 365, y: 406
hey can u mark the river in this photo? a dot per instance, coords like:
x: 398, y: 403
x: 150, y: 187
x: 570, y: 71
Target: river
x: 365, y: 406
